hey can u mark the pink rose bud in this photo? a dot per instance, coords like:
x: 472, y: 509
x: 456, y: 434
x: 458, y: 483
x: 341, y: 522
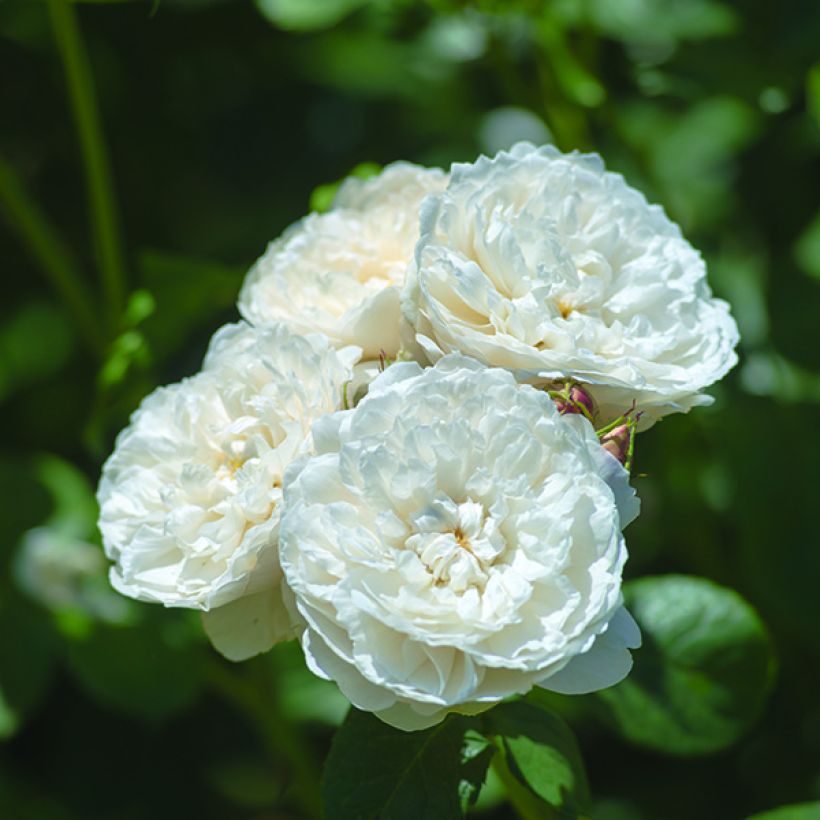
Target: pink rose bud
x: 581, y: 399
x: 573, y: 399
x: 616, y: 441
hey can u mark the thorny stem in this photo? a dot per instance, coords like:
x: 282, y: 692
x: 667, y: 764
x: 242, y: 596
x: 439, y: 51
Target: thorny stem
x: 631, y: 450
x: 620, y: 420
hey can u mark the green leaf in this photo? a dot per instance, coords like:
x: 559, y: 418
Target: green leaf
x: 542, y: 753
x: 376, y: 771
x: 703, y: 671
x: 476, y: 754
x: 306, y: 15
x: 492, y: 794
x: 801, y: 811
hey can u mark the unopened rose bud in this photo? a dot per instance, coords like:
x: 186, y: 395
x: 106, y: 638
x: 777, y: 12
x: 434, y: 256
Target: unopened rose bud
x: 616, y: 441
x: 574, y: 399
x: 581, y: 399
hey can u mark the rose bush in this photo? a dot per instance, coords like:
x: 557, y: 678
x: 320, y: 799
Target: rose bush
x: 453, y: 541
x: 340, y: 272
x: 548, y: 265
x: 190, y: 499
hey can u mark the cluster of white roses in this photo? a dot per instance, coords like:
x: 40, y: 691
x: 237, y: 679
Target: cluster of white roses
x: 455, y: 535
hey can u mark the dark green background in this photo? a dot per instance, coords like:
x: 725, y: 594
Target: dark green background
x: 220, y: 121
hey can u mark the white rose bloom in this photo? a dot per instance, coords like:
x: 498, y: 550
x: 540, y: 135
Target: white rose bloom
x: 340, y: 272
x: 454, y: 541
x: 190, y: 500
x: 548, y: 265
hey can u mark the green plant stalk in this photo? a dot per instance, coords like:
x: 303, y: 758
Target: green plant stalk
x: 52, y: 256
x: 254, y: 698
x: 95, y: 158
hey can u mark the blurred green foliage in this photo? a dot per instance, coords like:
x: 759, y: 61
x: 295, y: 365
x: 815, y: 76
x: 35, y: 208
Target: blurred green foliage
x: 150, y: 150
x: 705, y: 667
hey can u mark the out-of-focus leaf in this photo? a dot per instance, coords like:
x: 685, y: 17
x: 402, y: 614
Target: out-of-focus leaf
x: 358, y: 62
x: 703, y: 672
x: 127, y: 350
x: 140, y: 306
x: 800, y: 811
x: 306, y: 15
x: 813, y: 92
x: 741, y: 278
x: 35, y: 343
x: 542, y: 753
x: 376, y: 771
x: 807, y: 248
x: 189, y: 294
x: 694, y: 159
x: 577, y: 83
x: 304, y: 696
x: 654, y: 22
x: 26, y: 662
x: 75, y: 507
x: 247, y: 783
x: 143, y: 671
x: 767, y: 373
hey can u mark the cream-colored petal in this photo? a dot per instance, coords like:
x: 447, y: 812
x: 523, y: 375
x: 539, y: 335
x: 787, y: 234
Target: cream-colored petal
x: 250, y: 625
x: 606, y: 663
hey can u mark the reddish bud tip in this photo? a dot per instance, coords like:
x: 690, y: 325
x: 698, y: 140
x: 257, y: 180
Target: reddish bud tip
x: 616, y: 441
x: 581, y: 399
x: 573, y: 399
